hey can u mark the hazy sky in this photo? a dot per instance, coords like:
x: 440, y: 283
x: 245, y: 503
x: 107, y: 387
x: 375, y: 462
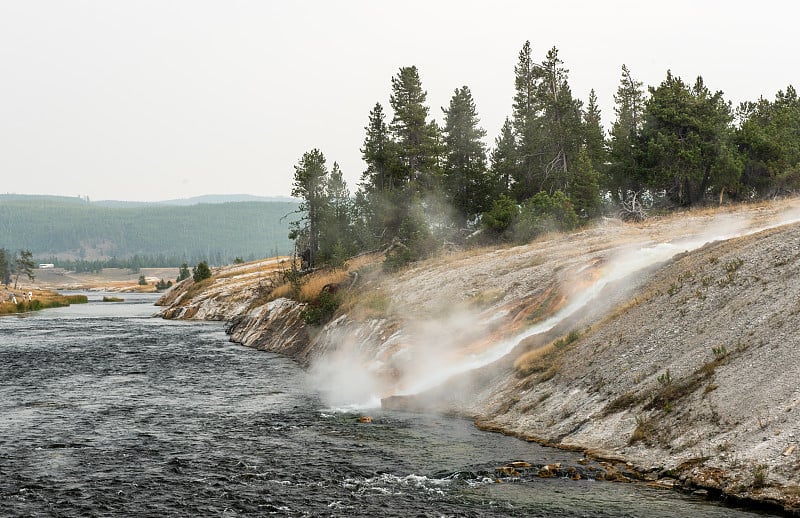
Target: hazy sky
x: 153, y: 100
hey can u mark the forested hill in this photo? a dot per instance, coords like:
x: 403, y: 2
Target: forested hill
x: 71, y: 228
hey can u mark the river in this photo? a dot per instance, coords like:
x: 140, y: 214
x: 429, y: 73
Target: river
x: 105, y: 411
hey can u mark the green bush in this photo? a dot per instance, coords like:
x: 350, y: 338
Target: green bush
x: 543, y: 213
x: 500, y: 218
x: 321, y: 310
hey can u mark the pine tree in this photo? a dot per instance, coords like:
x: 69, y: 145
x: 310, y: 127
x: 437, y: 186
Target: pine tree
x: 684, y: 140
x: 585, y: 189
x: 380, y: 155
x: 466, y: 182
x: 594, y: 136
x: 310, y: 182
x: 415, y: 136
x: 562, y: 124
x: 336, y: 239
x: 23, y: 264
x: 504, y: 159
x: 769, y: 138
x: 624, y: 177
x: 5, y: 273
x: 527, y: 125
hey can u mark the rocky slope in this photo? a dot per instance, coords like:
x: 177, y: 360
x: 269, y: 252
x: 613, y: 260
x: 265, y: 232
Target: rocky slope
x: 670, y: 345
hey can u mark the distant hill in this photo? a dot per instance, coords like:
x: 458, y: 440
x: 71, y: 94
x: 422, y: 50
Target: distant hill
x: 211, y: 228
x: 196, y: 200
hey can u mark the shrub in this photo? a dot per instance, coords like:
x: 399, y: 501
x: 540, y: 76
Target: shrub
x: 759, y: 475
x: 544, y: 213
x: 644, y: 431
x: 321, y: 310
x: 183, y: 272
x: 499, y: 219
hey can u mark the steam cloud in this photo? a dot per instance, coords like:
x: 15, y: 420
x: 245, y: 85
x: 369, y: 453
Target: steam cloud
x: 357, y: 373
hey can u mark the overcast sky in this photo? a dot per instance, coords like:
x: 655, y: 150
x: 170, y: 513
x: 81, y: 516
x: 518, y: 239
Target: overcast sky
x: 154, y: 100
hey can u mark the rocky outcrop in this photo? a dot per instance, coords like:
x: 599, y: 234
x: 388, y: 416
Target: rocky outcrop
x: 231, y: 292
x: 277, y: 326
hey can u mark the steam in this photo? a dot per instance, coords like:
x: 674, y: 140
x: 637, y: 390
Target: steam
x: 359, y: 372
x: 345, y: 377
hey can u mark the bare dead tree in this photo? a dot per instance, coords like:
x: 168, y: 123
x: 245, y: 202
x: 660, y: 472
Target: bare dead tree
x: 632, y: 209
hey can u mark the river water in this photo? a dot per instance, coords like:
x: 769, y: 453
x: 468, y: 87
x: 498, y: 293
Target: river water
x: 105, y: 411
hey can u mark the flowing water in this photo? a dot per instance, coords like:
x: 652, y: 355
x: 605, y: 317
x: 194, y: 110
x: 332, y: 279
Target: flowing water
x: 105, y: 411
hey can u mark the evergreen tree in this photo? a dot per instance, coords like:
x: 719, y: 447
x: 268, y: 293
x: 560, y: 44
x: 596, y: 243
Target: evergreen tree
x: 623, y: 175
x: 686, y: 141
x: 23, y: 264
x: 562, y: 123
x: 504, y: 159
x: 594, y: 138
x: 585, y: 189
x: 415, y: 136
x: 5, y: 270
x: 183, y: 272
x: 466, y: 181
x: 527, y: 125
x: 769, y: 139
x: 502, y: 215
x: 310, y: 182
x: 201, y: 271
x: 380, y: 155
x: 336, y: 240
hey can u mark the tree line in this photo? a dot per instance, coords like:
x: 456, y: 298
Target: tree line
x: 87, y: 236
x: 15, y: 265
x: 552, y: 167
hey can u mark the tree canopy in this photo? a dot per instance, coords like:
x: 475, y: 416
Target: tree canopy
x: 552, y: 166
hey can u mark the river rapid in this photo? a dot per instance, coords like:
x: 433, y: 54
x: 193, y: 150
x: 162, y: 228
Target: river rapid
x: 106, y: 411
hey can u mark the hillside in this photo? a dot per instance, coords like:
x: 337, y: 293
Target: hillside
x: 667, y: 346
x: 70, y: 228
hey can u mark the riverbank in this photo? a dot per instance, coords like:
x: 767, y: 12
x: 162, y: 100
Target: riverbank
x: 668, y: 345
x: 120, y: 280
x: 20, y: 301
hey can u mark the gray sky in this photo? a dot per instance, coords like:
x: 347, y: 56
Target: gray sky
x: 152, y: 100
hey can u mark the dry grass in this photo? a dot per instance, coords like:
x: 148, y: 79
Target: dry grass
x: 252, y: 267
x: 312, y: 284
x: 536, y: 360
x: 365, y: 305
x: 41, y: 300
x: 197, y: 288
x: 285, y: 290
x: 358, y: 262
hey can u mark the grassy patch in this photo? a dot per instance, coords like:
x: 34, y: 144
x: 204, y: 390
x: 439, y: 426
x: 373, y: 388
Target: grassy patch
x: 486, y: 298
x: 312, y: 284
x: 42, y: 300
x: 622, y: 403
x: 197, y: 288
x: 536, y: 360
x: 644, y: 432
x: 113, y: 299
x: 759, y: 475
x: 544, y: 359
